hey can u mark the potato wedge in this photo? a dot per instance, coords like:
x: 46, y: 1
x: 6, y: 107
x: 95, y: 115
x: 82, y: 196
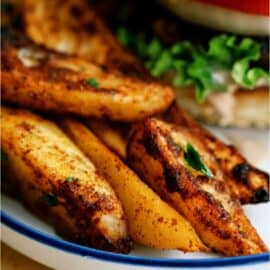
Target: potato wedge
x: 151, y: 221
x: 65, y: 224
x: 179, y: 168
x: 250, y: 187
x: 77, y: 30
x: 115, y: 136
x: 35, y: 78
x: 43, y: 158
x: 247, y: 183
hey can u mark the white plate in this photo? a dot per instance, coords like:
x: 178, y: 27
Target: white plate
x: 34, y: 238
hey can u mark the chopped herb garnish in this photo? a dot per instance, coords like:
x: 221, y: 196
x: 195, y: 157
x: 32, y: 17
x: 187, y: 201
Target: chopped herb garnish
x: 50, y: 199
x: 193, y: 159
x: 196, y: 66
x: 71, y: 179
x: 93, y: 82
x: 4, y: 156
x: 124, y: 36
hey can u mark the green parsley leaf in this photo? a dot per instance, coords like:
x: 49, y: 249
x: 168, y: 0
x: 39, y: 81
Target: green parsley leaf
x: 195, y: 66
x: 4, y: 156
x: 71, y: 179
x: 93, y: 82
x: 124, y: 36
x: 50, y: 199
x: 193, y: 159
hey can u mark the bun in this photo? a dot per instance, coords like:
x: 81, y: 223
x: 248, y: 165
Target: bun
x: 219, y: 18
x: 245, y: 109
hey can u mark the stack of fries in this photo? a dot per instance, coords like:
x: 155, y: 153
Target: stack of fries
x: 97, y: 147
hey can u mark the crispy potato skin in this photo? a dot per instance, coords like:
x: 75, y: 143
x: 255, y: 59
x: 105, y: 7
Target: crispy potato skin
x: 154, y: 152
x: 151, y: 221
x: 42, y: 157
x: 64, y: 223
x: 77, y: 30
x: 247, y: 183
x: 58, y: 83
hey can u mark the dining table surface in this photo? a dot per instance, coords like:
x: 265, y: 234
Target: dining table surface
x: 13, y: 260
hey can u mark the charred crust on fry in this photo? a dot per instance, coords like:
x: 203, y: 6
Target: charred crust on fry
x: 240, y: 172
x: 148, y: 140
x: 26, y: 126
x: 172, y: 177
x: 261, y: 195
x: 209, y: 224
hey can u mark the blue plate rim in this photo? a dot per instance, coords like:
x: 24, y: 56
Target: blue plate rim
x: 76, y: 249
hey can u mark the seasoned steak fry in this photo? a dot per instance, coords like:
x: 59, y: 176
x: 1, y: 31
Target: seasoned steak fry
x: 247, y: 183
x: 43, y: 158
x: 73, y: 27
x: 151, y: 221
x: 36, y: 78
x: 180, y: 169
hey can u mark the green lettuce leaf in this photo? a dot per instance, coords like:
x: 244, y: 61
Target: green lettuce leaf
x: 194, y: 65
